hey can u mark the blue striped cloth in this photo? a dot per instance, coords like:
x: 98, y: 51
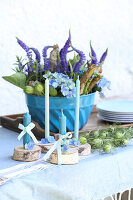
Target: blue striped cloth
x: 97, y: 176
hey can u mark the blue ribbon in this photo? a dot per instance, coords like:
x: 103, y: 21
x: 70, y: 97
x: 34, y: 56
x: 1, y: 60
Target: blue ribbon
x: 27, y: 130
x: 57, y: 145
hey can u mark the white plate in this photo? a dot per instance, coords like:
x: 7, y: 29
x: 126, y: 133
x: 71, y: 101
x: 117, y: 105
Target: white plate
x: 116, y: 116
x: 114, y: 113
x: 114, y: 120
x: 116, y: 106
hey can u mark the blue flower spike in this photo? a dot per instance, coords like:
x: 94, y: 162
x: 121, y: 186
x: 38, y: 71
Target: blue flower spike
x: 103, y: 57
x: 93, y: 55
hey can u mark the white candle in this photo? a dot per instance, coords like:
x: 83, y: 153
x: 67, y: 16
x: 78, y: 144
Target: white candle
x: 46, y: 108
x: 76, y: 127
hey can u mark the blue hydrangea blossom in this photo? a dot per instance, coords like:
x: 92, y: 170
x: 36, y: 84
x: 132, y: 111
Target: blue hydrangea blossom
x: 103, y: 84
x: 62, y: 81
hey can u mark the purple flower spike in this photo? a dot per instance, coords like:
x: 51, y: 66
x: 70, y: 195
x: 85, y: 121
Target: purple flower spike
x: 29, y: 54
x: 22, y: 44
x: 103, y: 56
x: 46, y: 60
x: 58, y: 67
x: 63, y: 54
x: 81, y: 61
x: 93, y: 56
x: 38, y: 57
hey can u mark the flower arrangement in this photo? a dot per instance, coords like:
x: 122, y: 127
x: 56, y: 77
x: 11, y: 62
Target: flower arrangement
x: 30, y: 73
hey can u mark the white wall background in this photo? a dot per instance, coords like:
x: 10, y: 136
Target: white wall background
x: 41, y: 22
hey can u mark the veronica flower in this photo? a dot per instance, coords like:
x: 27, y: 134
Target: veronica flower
x: 29, y: 54
x: 38, y: 57
x: 58, y: 67
x: 81, y: 61
x: 103, y: 57
x: 46, y: 60
x: 63, y: 54
x: 93, y: 55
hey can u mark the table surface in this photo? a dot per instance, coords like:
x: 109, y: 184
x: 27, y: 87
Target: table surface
x: 97, y: 176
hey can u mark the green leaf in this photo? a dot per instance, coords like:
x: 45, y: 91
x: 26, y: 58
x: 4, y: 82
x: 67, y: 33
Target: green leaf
x: 18, y: 79
x: 71, y: 68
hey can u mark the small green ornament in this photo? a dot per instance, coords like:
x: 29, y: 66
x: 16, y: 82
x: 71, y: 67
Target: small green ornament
x: 107, y: 148
x: 39, y: 89
x: 29, y: 89
x: 83, y: 140
x: 52, y: 92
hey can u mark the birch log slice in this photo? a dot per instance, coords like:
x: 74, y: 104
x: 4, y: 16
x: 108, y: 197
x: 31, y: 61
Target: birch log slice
x: 84, y: 149
x: 45, y: 147
x: 66, y: 159
x: 26, y: 155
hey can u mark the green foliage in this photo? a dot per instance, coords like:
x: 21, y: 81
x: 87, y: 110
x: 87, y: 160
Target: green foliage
x: 18, y: 79
x: 19, y: 64
x: 86, y: 86
x: 74, y: 60
x: 106, y: 140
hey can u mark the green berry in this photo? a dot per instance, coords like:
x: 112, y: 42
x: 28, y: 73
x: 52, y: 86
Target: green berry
x: 118, y: 135
x: 39, y: 89
x: 124, y: 142
x: 111, y: 129
x: 117, y: 142
x: 97, y: 143
x: 83, y: 140
x: 103, y: 135
x: 52, y: 92
x: 96, y: 134
x: 107, y: 147
x: 29, y: 89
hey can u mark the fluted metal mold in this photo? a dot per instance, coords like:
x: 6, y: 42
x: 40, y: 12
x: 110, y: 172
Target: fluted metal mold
x: 36, y: 106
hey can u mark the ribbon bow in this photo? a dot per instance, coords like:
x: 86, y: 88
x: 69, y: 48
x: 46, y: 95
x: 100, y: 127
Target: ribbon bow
x: 27, y: 130
x: 57, y: 145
